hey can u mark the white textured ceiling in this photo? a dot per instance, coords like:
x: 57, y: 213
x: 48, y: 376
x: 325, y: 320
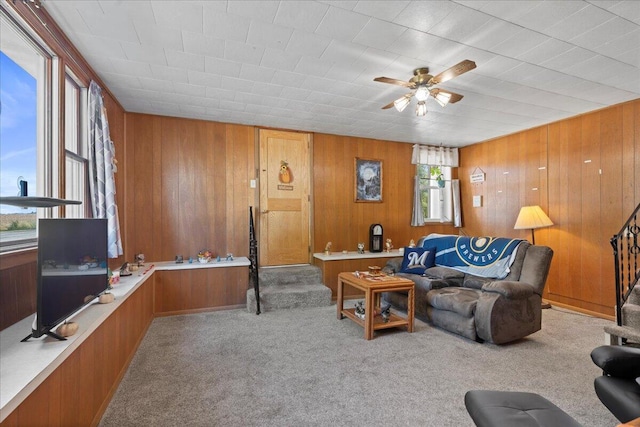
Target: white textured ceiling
x: 310, y: 65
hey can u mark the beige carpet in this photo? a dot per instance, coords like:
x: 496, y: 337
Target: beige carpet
x: 304, y: 367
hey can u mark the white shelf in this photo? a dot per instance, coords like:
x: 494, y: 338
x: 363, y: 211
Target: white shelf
x: 338, y: 256
x: 240, y: 261
x: 36, y: 202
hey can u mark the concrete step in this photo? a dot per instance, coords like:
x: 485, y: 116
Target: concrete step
x: 289, y: 287
x: 632, y: 335
x: 631, y: 315
x: 289, y: 275
x: 634, y: 296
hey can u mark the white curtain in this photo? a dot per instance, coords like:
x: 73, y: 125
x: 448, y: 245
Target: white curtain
x: 417, y: 218
x: 102, y: 184
x: 434, y: 156
x: 457, y: 213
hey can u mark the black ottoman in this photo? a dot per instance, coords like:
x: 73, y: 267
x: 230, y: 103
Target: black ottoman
x: 512, y: 408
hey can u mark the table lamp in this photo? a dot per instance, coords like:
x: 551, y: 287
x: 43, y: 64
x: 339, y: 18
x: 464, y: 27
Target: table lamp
x: 532, y: 217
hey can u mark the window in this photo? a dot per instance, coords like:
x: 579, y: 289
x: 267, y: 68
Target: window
x: 435, y: 192
x: 25, y: 130
x: 75, y: 143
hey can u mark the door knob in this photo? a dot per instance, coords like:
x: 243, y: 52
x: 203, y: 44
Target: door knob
x: 264, y: 211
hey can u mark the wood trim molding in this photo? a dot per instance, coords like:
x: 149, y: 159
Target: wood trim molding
x: 580, y: 310
x: 199, y: 310
x: 46, y: 28
x: 14, y: 259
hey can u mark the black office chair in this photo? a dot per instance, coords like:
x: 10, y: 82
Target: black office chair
x: 619, y: 386
x: 618, y: 389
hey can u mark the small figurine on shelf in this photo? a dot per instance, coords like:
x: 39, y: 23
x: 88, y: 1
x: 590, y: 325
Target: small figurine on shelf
x: 359, y: 310
x: 412, y: 244
x: 327, y: 249
x: 204, y: 256
x: 360, y: 248
x: 385, y: 312
x: 139, y: 259
x: 114, y: 277
x: 229, y: 256
x: 388, y: 245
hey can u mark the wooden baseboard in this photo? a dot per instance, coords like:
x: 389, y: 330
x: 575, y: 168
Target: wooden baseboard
x: 580, y: 310
x: 199, y: 310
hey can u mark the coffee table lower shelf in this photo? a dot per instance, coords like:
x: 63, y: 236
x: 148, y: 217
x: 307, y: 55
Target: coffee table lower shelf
x: 395, y: 321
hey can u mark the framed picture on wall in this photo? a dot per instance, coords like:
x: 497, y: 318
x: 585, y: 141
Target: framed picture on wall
x: 368, y: 186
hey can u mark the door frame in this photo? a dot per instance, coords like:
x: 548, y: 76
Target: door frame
x: 257, y: 198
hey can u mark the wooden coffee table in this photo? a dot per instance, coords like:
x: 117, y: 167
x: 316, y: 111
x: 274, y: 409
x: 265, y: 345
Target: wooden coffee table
x: 373, y: 286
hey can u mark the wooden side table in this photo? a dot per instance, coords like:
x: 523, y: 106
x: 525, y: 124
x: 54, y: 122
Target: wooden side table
x: 373, y: 286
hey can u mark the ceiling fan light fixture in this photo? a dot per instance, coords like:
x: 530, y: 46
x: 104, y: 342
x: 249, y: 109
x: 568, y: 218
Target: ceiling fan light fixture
x: 422, y: 93
x: 401, y: 103
x: 442, y: 98
x: 421, y: 109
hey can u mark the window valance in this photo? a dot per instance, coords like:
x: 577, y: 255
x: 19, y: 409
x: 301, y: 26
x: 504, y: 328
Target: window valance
x: 429, y: 155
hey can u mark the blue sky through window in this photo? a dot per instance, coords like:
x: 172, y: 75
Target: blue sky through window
x: 18, y: 138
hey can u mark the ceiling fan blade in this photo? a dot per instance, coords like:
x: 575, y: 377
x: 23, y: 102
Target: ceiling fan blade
x: 452, y: 72
x: 389, y: 105
x: 406, y: 97
x: 453, y: 97
x: 393, y: 81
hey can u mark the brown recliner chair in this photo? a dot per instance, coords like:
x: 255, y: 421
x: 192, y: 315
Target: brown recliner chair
x: 496, y: 311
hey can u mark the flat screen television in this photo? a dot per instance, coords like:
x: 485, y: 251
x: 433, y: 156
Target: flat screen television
x: 72, y: 270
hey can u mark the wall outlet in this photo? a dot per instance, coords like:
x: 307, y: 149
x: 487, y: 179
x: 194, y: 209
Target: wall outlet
x: 477, y: 201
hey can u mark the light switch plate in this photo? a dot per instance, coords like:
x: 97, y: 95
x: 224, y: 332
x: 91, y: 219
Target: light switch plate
x: 252, y: 183
x: 477, y: 201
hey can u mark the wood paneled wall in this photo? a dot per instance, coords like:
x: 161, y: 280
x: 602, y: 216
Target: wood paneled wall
x: 199, y: 289
x: 585, y: 173
x: 187, y: 187
x: 338, y: 219
x: 18, y: 287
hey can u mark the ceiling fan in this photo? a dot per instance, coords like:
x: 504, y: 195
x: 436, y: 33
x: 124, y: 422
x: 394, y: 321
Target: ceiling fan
x: 423, y: 83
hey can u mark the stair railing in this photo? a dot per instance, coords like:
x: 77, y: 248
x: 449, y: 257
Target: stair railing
x: 253, y: 258
x: 626, y: 251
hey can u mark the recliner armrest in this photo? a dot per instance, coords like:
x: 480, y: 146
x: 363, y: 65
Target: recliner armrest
x: 393, y: 266
x: 509, y: 289
x: 617, y: 361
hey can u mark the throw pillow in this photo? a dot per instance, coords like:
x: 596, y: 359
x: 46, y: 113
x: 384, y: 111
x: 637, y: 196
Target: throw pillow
x: 417, y: 260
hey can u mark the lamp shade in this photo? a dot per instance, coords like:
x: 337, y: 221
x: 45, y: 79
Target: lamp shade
x: 442, y: 98
x: 531, y: 217
x: 401, y: 103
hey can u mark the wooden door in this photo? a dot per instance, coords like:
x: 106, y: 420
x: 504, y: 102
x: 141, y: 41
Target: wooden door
x: 284, y: 198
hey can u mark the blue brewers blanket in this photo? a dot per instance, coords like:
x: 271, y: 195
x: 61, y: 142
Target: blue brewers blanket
x: 481, y: 256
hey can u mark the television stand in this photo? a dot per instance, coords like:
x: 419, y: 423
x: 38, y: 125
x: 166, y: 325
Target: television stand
x: 51, y: 334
